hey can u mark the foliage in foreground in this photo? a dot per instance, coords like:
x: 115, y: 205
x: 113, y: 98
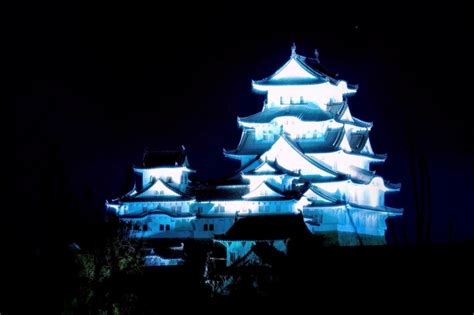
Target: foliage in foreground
x: 105, y: 273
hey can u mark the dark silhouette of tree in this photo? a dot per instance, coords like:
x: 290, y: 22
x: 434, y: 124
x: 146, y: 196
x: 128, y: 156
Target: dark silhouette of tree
x: 426, y: 196
x: 421, y: 182
x: 104, y: 271
x: 416, y: 194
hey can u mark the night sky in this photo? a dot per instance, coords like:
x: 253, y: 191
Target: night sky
x: 97, y: 84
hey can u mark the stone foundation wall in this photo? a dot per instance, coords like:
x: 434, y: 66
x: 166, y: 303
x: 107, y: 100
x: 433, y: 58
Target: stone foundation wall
x: 351, y: 239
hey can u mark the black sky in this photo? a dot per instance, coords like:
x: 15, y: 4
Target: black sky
x: 98, y: 83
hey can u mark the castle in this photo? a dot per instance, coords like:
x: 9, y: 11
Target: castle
x: 304, y: 160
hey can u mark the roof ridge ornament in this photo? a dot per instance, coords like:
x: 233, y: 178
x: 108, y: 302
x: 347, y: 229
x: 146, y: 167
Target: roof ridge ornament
x: 293, y: 50
x: 316, y: 55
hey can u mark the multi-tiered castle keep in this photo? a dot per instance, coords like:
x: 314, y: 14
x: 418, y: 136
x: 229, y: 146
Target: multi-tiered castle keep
x: 303, y: 157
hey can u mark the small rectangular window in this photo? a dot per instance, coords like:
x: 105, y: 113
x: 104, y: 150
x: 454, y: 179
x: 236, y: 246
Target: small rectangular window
x: 167, y: 227
x: 318, y: 218
x: 211, y: 227
x: 162, y: 227
x: 205, y: 227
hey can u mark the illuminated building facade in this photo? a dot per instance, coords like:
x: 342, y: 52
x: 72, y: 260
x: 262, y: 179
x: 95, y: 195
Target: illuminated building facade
x: 303, y: 154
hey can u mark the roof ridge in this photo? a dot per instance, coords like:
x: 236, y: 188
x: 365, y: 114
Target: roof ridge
x: 382, y: 156
x: 146, y: 187
x: 174, y: 189
x: 302, y: 63
x: 274, y: 188
x: 390, y: 185
x: 283, y: 169
x: 315, y: 162
x: 323, y: 193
